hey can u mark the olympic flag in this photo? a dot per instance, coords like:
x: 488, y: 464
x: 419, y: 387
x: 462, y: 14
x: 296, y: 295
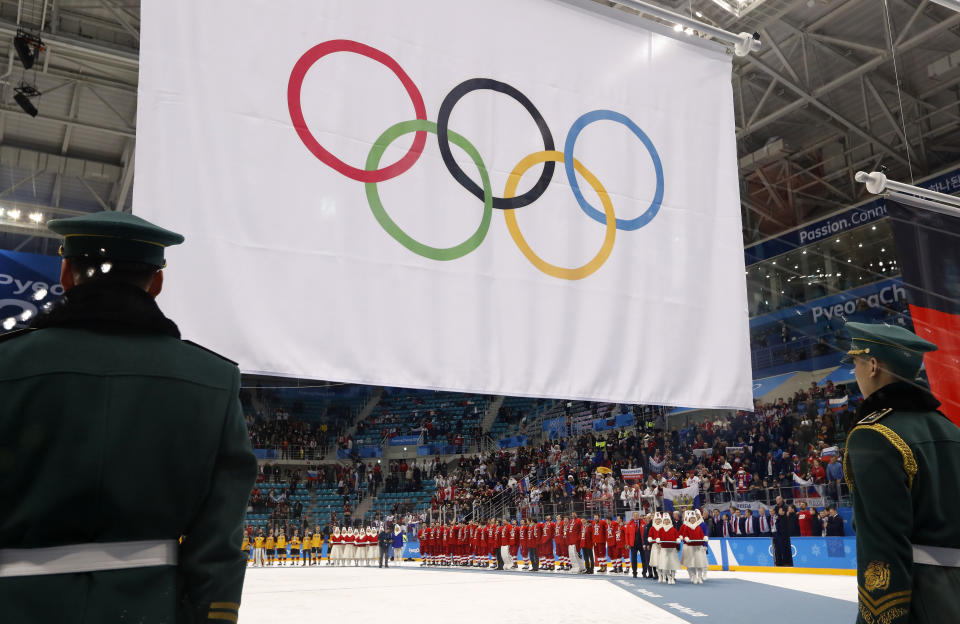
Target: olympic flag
x: 522, y: 197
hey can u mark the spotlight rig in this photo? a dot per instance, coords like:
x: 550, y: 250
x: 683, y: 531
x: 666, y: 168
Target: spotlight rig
x: 28, y: 47
x: 24, y: 92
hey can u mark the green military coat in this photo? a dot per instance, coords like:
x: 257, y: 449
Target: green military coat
x: 903, y: 466
x: 114, y: 429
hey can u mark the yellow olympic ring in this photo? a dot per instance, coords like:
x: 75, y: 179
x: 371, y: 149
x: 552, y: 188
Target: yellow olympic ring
x: 552, y: 270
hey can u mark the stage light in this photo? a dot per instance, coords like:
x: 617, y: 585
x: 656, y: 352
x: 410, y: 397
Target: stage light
x: 13, y: 214
x: 26, y: 315
x: 36, y: 217
x: 23, y: 94
x: 9, y: 323
x: 40, y: 294
x: 678, y: 28
x: 28, y: 47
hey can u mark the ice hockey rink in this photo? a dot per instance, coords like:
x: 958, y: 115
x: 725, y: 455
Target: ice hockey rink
x: 429, y: 595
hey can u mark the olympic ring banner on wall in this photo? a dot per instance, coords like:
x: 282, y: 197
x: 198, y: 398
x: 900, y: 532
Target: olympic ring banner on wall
x: 516, y: 197
x: 371, y: 174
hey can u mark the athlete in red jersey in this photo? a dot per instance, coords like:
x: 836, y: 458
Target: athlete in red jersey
x: 599, y: 539
x: 560, y: 542
x: 574, y: 537
x: 546, y: 544
x: 522, y: 542
x: 613, y: 548
x: 492, y: 545
x: 421, y: 538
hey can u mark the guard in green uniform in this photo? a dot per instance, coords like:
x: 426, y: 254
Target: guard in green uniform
x: 903, y: 466
x: 125, y: 464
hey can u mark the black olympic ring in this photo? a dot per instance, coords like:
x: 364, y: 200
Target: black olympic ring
x: 443, y: 118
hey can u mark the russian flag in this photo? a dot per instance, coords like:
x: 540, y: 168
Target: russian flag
x: 928, y: 249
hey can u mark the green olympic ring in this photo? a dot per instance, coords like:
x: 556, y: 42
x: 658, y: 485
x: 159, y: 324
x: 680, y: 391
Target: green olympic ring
x: 391, y: 227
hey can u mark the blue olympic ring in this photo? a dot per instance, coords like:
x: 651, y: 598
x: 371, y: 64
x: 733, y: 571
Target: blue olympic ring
x: 627, y: 225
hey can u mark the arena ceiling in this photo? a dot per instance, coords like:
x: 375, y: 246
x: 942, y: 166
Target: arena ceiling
x: 815, y: 104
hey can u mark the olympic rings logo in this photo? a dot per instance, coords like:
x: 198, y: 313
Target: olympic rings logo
x: 373, y: 173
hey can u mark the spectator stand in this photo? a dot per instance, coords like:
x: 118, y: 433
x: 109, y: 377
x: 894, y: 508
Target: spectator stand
x: 447, y: 422
x: 520, y: 416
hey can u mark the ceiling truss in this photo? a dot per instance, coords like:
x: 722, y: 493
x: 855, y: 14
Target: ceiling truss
x: 823, y: 81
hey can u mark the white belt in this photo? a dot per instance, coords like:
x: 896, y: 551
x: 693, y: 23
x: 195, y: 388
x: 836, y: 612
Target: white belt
x: 95, y: 557
x: 936, y: 556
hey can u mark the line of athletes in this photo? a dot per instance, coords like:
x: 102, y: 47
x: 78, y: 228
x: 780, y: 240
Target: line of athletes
x: 571, y: 544
x: 267, y: 550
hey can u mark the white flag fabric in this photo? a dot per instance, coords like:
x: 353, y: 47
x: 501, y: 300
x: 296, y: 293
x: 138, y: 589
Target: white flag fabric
x: 518, y: 197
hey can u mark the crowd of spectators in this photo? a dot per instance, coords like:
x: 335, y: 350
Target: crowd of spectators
x: 290, y: 437
x: 432, y: 421
x: 788, y: 448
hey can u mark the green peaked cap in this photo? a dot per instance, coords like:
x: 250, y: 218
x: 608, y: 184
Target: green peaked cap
x: 118, y: 236
x: 898, y: 347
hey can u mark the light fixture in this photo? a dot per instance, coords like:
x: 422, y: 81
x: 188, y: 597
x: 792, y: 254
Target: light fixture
x: 678, y: 27
x: 26, y: 315
x: 804, y: 252
x: 28, y: 47
x: 698, y: 14
x: 688, y: 31
x: 36, y: 217
x: 22, y: 95
x: 837, y: 241
x: 9, y: 323
x: 873, y: 228
x: 13, y: 213
x: 883, y: 249
x: 860, y: 245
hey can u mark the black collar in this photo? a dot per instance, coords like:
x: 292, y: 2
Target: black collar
x: 901, y: 396
x: 106, y: 306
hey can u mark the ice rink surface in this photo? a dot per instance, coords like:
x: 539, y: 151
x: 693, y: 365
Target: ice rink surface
x: 444, y: 595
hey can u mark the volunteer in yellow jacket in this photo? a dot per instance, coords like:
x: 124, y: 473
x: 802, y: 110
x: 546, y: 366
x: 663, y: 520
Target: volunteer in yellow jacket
x: 109, y: 419
x: 903, y: 465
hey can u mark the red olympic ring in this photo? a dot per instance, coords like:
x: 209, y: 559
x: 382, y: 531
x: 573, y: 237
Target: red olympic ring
x: 295, y: 85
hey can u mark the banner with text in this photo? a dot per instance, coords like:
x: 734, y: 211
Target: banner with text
x: 385, y: 198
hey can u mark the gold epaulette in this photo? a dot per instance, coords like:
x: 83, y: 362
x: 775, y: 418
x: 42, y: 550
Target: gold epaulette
x: 223, y: 611
x: 869, y: 419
